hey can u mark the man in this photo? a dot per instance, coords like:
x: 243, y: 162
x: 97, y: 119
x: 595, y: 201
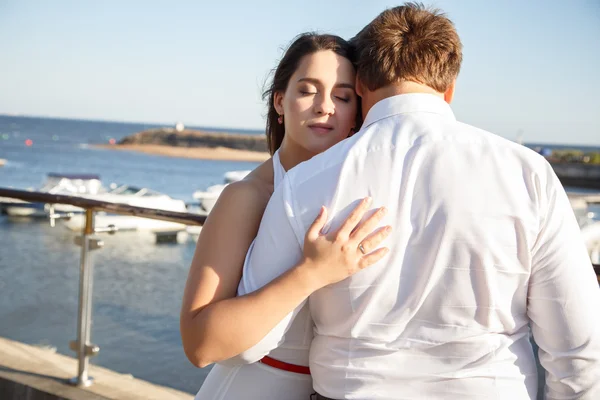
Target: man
x: 484, y: 250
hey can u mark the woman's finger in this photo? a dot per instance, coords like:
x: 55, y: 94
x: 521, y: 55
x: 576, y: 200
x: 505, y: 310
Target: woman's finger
x: 366, y: 227
x: 353, y: 219
x: 374, y: 239
x: 315, y: 228
x: 373, y: 257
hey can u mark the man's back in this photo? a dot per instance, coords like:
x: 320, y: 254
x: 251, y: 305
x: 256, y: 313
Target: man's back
x: 474, y: 258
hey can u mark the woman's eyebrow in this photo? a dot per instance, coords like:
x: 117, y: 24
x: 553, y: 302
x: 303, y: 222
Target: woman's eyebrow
x: 317, y: 82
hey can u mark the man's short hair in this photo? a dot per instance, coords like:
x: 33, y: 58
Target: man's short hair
x: 408, y: 43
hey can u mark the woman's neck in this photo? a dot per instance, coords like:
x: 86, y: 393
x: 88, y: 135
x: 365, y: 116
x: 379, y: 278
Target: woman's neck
x: 292, y: 154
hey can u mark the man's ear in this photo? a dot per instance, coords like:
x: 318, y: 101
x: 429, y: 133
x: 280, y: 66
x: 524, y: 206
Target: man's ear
x: 358, y: 86
x: 449, y: 93
x: 278, y: 102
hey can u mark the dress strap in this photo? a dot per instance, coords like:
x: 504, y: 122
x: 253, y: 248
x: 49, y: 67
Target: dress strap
x: 278, y: 171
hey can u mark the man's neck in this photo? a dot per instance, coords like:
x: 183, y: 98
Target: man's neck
x: 371, y: 98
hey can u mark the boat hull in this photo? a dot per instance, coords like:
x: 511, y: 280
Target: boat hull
x: 123, y: 223
x: 37, y: 210
x: 26, y: 210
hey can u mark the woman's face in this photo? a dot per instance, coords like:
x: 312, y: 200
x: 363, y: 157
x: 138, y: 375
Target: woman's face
x: 319, y: 105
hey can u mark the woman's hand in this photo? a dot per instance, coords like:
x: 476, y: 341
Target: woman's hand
x: 332, y: 257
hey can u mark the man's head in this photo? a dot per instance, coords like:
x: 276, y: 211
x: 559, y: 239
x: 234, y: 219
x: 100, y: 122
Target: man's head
x: 407, y: 49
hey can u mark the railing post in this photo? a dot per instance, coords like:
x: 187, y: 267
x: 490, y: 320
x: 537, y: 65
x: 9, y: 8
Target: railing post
x: 89, y: 242
x: 82, y: 346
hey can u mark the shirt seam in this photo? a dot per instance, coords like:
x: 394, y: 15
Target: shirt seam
x: 292, y: 219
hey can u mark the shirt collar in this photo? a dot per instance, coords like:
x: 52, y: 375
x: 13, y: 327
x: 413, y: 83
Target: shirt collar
x: 408, y: 103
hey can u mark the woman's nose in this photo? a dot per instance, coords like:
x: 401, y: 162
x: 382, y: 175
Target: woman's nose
x: 325, y: 106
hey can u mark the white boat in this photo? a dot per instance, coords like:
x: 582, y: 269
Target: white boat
x: 591, y: 237
x: 65, y: 184
x: 208, y: 198
x: 585, y: 206
x: 134, y: 196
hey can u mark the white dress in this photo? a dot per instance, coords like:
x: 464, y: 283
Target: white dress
x: 257, y: 381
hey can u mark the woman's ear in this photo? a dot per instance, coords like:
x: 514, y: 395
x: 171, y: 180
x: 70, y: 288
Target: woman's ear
x: 278, y: 102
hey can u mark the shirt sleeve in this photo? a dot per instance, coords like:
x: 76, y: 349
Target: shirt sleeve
x: 276, y: 249
x: 564, y: 301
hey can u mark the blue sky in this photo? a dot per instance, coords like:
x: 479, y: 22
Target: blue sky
x: 528, y: 65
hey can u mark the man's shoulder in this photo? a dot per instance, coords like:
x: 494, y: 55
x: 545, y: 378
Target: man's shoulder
x: 321, y: 167
x: 318, y: 166
x: 499, y: 145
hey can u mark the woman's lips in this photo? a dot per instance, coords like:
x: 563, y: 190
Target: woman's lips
x: 321, y: 129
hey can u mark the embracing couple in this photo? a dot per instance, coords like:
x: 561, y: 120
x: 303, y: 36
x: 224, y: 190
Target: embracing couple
x: 386, y: 250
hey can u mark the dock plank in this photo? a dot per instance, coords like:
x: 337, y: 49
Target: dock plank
x: 47, y: 371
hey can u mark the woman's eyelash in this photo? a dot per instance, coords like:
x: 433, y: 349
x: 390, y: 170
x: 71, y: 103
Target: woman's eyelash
x: 344, y: 99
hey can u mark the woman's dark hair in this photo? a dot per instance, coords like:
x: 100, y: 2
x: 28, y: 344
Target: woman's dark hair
x: 304, y: 44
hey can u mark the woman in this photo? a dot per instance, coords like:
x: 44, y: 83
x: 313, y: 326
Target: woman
x: 312, y: 106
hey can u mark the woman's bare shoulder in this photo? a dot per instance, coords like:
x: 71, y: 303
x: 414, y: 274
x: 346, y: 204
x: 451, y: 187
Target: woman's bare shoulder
x: 234, y: 220
x: 253, y: 192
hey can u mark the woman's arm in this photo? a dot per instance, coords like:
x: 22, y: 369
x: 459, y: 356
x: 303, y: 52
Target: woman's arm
x: 225, y: 328
x: 216, y: 267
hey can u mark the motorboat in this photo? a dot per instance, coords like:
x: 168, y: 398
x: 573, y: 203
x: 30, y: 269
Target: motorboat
x: 134, y: 196
x: 586, y: 207
x: 64, y: 184
x: 208, y: 198
x: 591, y: 238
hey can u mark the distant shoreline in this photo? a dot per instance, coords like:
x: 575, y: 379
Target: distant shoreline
x: 202, y: 153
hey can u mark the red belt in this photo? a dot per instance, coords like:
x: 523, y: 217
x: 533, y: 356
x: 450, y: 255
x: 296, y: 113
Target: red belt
x: 271, y: 362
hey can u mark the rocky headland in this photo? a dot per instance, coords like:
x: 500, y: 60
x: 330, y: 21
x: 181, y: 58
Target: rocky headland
x: 195, y: 144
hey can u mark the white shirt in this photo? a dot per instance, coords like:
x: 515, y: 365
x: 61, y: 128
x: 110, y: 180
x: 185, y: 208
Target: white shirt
x: 484, y: 246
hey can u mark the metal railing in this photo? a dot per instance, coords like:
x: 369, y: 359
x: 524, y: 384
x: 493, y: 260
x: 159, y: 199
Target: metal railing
x: 88, y: 242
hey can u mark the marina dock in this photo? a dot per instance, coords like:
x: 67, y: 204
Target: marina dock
x: 34, y: 373
x: 40, y: 373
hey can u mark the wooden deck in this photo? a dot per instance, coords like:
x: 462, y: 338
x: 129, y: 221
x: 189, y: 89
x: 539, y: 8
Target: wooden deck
x: 45, y: 372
